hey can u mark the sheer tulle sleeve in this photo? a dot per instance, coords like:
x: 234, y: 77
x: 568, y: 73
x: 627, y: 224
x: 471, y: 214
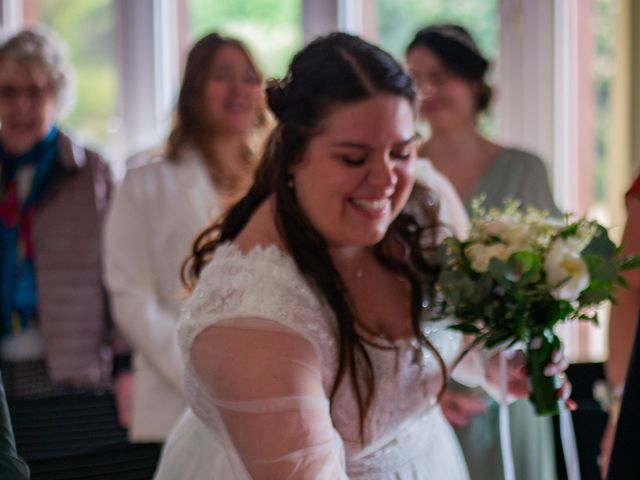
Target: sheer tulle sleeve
x: 259, y: 350
x: 479, y: 368
x: 266, y: 384
x: 470, y: 370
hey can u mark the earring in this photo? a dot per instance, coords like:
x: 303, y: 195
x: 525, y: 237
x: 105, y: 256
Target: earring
x: 290, y: 181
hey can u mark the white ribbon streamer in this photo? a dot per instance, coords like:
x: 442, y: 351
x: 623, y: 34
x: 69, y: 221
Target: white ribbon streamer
x: 505, y: 431
x: 567, y: 433
x: 569, y: 448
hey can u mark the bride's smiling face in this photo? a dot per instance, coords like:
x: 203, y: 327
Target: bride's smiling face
x: 355, y: 176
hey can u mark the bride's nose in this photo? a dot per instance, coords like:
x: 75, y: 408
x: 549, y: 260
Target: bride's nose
x: 382, y: 172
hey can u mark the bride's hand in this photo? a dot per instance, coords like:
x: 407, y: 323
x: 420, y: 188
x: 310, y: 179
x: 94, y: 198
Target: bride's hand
x: 518, y: 377
x: 460, y: 407
x: 559, y: 363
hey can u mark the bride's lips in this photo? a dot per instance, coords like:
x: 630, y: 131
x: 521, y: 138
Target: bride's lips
x: 371, y: 207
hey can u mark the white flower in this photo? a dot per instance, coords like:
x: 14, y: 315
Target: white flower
x: 563, y: 262
x: 480, y: 255
x: 518, y: 235
x: 496, y: 228
x: 513, y: 232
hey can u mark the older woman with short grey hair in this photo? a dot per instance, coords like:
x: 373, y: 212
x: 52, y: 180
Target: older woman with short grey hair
x: 59, y: 356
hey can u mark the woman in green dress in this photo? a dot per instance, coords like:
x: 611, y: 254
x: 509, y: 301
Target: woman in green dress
x: 449, y: 72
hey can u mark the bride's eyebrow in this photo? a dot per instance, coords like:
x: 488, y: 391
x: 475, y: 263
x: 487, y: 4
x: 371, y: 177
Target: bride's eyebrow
x: 364, y: 146
x: 413, y: 138
x: 361, y: 146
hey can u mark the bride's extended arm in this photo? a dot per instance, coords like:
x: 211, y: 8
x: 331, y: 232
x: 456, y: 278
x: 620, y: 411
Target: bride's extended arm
x: 265, y: 382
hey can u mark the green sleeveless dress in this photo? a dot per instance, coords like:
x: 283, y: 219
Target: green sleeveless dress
x: 521, y: 176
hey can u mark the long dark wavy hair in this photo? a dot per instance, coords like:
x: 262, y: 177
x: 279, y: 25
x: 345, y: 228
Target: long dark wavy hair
x: 330, y: 72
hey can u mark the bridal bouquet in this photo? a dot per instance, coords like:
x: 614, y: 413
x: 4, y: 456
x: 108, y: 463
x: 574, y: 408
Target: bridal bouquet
x: 521, y: 273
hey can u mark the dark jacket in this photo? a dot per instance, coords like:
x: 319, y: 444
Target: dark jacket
x: 11, y: 466
x: 623, y: 463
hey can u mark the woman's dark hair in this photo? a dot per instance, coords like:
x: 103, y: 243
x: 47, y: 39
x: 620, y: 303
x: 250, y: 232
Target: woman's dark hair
x: 331, y: 72
x: 456, y: 49
x: 190, y: 126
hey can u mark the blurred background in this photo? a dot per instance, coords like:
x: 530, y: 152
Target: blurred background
x: 565, y: 77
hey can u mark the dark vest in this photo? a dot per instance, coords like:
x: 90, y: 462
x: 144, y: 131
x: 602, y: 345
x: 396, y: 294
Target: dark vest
x: 67, y: 231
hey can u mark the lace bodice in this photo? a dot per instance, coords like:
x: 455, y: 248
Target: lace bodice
x: 262, y: 293
x: 262, y: 285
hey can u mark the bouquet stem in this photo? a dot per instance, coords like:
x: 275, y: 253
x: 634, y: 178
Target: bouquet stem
x: 544, y: 390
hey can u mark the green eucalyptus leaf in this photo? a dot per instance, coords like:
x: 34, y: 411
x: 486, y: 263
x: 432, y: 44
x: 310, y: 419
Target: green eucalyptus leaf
x: 482, y: 290
x: 629, y: 262
x: 601, y: 245
x: 465, y: 328
x: 525, y: 261
x: 456, y: 285
x: 492, y: 309
x: 496, y: 338
x: 594, y: 295
x: 622, y: 282
x: 500, y: 272
x: 569, y: 230
x: 601, y: 269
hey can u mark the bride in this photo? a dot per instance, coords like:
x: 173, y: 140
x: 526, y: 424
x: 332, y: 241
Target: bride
x: 308, y: 349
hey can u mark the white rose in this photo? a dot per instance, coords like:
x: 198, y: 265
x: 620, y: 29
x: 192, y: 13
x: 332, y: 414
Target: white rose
x: 495, y: 228
x: 517, y: 235
x: 564, y: 262
x: 481, y: 255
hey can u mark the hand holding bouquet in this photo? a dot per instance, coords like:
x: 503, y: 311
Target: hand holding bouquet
x: 519, y: 274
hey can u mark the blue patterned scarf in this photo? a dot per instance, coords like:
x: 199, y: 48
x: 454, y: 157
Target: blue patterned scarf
x: 18, y: 293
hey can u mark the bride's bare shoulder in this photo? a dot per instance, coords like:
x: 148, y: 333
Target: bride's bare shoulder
x: 260, y: 230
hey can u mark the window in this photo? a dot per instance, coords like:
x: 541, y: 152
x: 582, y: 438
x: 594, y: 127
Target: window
x: 603, y: 38
x: 272, y: 29
x: 88, y: 29
x: 604, y: 26
x: 399, y: 20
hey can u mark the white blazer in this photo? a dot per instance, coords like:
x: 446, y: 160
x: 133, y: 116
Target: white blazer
x: 155, y: 216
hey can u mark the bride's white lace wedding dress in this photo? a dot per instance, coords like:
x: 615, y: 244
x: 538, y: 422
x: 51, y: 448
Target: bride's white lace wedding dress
x: 257, y: 309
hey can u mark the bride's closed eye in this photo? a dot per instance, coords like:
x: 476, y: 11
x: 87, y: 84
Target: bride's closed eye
x: 402, y: 154
x: 352, y: 161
